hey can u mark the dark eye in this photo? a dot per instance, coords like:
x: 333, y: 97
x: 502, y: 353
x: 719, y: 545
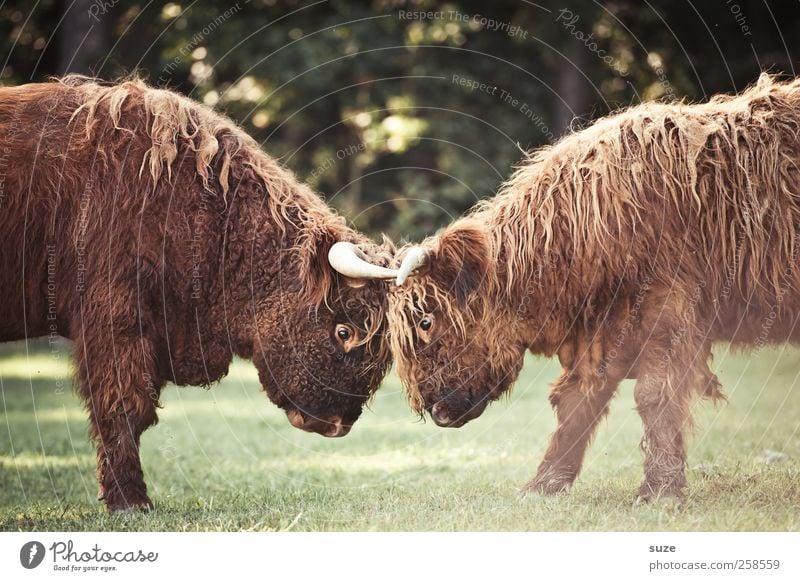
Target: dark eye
x: 346, y: 336
x: 426, y: 323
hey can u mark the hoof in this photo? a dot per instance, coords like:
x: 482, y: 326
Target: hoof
x: 129, y: 501
x: 131, y: 507
x: 668, y: 495
x: 548, y: 486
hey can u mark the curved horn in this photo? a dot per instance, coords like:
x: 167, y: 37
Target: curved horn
x: 349, y: 260
x: 416, y: 257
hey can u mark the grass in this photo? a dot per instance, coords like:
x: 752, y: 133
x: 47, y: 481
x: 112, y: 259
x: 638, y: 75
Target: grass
x: 226, y: 459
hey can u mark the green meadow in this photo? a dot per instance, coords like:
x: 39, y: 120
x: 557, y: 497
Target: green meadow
x: 226, y: 459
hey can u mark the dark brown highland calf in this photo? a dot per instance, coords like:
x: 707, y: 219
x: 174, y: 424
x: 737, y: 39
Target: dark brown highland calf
x: 626, y: 249
x: 159, y: 238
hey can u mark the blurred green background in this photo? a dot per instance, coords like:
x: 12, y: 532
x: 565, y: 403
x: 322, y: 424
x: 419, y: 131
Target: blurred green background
x: 359, y: 98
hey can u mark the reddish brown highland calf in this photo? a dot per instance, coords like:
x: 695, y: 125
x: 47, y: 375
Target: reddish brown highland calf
x: 160, y: 238
x: 626, y: 249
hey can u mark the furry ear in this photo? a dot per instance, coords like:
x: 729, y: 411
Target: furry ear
x: 316, y: 275
x: 460, y: 261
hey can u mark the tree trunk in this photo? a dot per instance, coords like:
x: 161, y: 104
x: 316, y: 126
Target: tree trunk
x: 573, y: 88
x: 83, y: 37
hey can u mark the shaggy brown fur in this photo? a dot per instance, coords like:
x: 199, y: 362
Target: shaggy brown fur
x: 162, y: 240
x: 626, y: 249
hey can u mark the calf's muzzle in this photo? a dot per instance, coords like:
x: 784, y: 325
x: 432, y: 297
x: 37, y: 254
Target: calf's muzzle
x: 456, y: 409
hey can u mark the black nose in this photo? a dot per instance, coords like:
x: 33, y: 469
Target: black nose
x: 440, y: 415
x: 456, y: 409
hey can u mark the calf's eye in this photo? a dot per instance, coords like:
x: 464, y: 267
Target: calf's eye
x: 426, y: 323
x: 342, y: 332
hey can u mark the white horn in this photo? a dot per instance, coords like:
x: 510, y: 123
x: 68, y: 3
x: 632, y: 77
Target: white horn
x: 349, y: 260
x: 416, y: 257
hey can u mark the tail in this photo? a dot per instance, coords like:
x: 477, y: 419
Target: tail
x: 712, y: 389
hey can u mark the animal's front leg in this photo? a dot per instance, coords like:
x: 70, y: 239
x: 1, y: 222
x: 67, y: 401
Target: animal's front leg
x: 579, y: 409
x: 122, y: 397
x: 120, y: 475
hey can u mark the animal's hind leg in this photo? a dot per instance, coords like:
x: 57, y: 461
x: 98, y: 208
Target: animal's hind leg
x: 121, y: 388
x: 664, y: 393
x: 580, y: 397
